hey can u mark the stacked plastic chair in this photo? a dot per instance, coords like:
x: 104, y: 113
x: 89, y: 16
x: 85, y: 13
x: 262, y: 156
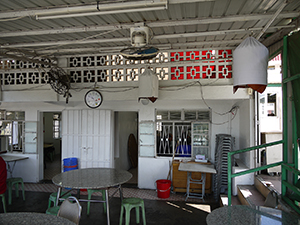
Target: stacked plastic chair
x: 224, y: 144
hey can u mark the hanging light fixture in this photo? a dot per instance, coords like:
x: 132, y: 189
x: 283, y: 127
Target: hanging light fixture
x: 250, y: 65
x: 148, y: 86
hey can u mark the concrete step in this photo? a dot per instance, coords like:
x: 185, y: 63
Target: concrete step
x: 264, y: 187
x: 249, y: 195
x: 224, y: 200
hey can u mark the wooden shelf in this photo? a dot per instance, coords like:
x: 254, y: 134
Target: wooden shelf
x: 179, y: 180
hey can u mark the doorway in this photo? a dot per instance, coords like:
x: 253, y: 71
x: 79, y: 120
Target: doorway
x: 52, y: 144
x: 125, y: 143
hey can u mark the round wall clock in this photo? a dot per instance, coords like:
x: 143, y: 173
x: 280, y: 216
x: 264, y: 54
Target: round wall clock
x: 93, y: 99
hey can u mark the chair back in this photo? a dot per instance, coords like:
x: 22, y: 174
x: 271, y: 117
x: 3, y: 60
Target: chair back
x: 70, y: 209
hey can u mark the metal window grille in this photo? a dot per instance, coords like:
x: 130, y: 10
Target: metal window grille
x: 174, y: 131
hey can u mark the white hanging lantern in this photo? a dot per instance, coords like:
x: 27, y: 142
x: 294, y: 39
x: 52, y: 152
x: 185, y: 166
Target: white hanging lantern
x: 148, y: 86
x: 250, y: 65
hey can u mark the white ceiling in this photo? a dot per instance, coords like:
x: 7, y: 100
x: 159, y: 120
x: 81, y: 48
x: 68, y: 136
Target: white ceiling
x: 60, y: 27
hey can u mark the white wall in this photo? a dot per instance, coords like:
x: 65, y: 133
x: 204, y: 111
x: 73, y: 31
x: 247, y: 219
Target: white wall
x: 151, y: 170
x: 246, y: 124
x: 218, y: 98
x: 228, y: 124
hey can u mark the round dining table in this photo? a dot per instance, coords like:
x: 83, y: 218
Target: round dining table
x: 32, y: 218
x: 92, y: 178
x: 251, y: 215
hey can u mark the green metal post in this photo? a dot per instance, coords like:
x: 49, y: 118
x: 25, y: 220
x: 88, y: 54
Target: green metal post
x: 295, y: 144
x: 284, y: 113
x: 229, y: 178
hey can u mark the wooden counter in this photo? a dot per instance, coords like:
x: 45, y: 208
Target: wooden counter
x: 179, y: 180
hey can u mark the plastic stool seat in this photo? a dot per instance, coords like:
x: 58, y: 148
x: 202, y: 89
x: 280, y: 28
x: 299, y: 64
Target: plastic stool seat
x: 10, y: 183
x: 3, y: 201
x: 53, y: 196
x: 90, y: 192
x: 130, y: 203
x: 53, y: 210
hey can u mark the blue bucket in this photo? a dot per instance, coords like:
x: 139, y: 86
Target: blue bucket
x: 70, y: 164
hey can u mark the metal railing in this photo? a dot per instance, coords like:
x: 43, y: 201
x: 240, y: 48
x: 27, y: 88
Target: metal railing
x: 285, y: 167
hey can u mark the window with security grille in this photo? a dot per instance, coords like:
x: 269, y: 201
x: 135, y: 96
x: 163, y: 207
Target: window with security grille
x: 178, y: 134
x: 11, y: 130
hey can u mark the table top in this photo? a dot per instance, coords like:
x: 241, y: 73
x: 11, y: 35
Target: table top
x: 91, y: 178
x: 247, y: 215
x: 197, y: 167
x: 32, y: 218
x: 13, y: 157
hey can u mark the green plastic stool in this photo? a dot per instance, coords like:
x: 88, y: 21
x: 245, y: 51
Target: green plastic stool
x: 53, y: 210
x: 90, y: 192
x: 10, y: 183
x: 3, y: 201
x: 53, y: 196
x: 130, y: 203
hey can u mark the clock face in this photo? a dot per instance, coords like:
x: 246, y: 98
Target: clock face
x: 93, y: 99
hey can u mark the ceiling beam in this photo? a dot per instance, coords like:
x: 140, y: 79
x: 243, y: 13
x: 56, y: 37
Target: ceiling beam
x: 127, y: 39
x: 275, y: 16
x: 223, y: 19
x: 278, y: 36
x: 92, y: 8
x: 173, y: 46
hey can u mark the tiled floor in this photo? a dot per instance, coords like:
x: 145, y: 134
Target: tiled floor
x: 165, y: 212
x: 52, y: 168
x: 173, y: 210
x: 129, y: 191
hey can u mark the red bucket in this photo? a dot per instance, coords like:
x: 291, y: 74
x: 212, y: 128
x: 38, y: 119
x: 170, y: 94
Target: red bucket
x: 163, y: 188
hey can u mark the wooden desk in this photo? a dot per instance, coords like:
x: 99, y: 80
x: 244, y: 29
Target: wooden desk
x: 179, y: 180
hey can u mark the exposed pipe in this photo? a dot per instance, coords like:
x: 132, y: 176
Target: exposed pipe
x: 83, y: 8
x: 37, y: 17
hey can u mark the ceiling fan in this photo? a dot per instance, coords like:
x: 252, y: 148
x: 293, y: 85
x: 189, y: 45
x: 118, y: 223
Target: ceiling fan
x: 60, y: 82
x: 140, y: 50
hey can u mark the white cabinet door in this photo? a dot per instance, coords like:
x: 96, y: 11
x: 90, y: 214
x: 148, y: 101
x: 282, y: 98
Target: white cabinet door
x: 87, y: 136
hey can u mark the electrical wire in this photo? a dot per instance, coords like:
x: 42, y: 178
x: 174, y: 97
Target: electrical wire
x: 232, y: 111
x: 103, y: 89
x: 11, y: 19
x: 28, y: 89
x: 221, y: 114
x: 83, y: 39
x: 180, y: 87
